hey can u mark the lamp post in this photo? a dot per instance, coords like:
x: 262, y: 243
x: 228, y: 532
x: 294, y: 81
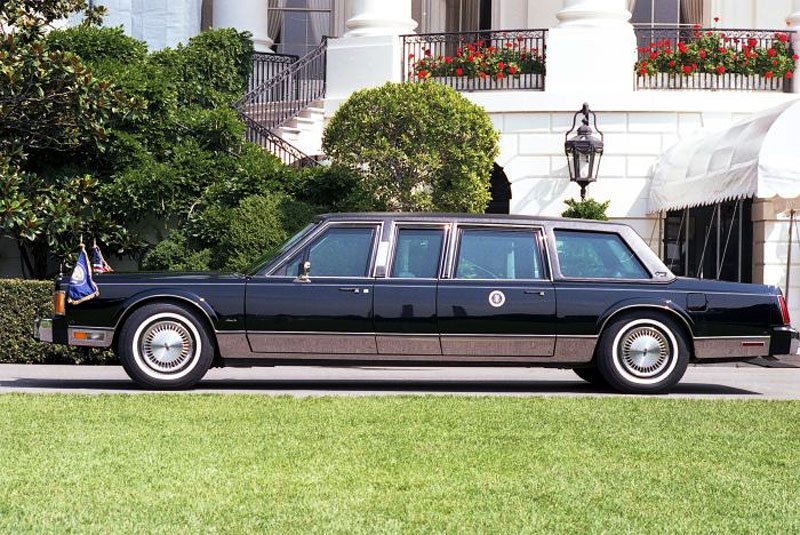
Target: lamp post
x: 583, y: 150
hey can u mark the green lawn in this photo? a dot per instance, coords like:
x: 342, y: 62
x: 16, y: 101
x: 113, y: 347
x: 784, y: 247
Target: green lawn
x: 189, y: 463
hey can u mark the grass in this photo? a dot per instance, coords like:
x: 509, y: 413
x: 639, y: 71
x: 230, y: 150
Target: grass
x: 177, y: 463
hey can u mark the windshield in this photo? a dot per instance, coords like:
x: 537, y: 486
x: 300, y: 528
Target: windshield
x: 269, y: 255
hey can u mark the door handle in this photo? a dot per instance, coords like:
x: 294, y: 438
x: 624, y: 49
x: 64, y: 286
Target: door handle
x: 540, y: 293
x: 351, y: 290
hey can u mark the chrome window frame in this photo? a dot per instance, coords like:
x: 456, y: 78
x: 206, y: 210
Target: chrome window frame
x: 397, y: 226
x: 376, y: 225
x: 538, y: 232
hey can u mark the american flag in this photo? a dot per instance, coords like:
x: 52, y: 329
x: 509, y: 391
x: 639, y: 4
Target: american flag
x: 99, y: 264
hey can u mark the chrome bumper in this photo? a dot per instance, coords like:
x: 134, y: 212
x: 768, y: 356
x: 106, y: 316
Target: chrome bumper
x: 43, y: 330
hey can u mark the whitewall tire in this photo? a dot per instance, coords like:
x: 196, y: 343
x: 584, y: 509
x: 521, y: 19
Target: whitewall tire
x: 165, y: 346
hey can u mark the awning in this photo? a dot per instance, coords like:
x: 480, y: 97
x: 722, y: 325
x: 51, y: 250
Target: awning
x: 758, y: 157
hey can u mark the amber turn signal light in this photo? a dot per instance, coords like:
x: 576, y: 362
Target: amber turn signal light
x: 59, y: 303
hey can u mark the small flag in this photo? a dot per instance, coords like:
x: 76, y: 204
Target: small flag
x: 81, y: 286
x: 99, y: 264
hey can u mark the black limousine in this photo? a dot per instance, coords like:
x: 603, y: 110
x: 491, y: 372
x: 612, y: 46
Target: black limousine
x: 433, y: 289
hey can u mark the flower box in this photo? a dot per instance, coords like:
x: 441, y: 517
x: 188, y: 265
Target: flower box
x: 739, y: 82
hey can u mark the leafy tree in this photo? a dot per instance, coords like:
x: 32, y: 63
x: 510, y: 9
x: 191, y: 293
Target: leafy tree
x: 416, y: 147
x: 51, y: 105
x: 586, y: 209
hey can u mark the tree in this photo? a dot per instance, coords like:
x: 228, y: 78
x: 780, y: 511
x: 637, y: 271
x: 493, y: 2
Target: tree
x: 586, y: 209
x: 415, y: 147
x: 50, y: 103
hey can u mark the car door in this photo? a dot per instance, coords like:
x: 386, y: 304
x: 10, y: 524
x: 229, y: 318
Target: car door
x: 498, y: 300
x: 330, y: 312
x: 405, y: 300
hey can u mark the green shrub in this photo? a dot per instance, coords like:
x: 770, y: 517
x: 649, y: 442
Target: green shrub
x: 175, y: 254
x: 416, y: 147
x: 586, y: 209
x: 331, y: 189
x: 22, y: 301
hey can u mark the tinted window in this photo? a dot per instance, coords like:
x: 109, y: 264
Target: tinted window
x: 339, y: 252
x: 498, y: 254
x: 597, y: 255
x: 416, y: 255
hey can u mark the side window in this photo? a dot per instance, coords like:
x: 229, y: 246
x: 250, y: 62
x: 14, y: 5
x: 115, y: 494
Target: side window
x: 338, y: 252
x: 597, y: 255
x: 417, y: 253
x: 498, y: 254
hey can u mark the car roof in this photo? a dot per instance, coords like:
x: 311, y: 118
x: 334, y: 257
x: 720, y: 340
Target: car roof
x: 472, y: 218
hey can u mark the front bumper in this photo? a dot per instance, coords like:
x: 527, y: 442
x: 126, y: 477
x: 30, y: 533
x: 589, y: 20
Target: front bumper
x: 784, y: 341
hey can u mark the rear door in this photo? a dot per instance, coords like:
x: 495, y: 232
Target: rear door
x: 499, y: 300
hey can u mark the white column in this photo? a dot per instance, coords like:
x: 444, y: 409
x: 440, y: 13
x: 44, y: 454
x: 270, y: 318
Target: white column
x: 369, y: 54
x: 793, y: 20
x: 379, y: 17
x: 244, y: 15
x: 593, y: 48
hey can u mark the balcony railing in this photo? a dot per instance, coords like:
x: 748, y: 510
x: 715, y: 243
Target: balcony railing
x: 477, y: 61
x: 673, y: 57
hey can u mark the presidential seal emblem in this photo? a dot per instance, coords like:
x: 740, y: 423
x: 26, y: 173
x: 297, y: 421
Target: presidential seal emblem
x: 78, y: 275
x: 497, y: 298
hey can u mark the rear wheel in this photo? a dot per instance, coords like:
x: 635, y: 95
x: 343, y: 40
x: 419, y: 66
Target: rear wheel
x: 643, y: 354
x: 165, y: 346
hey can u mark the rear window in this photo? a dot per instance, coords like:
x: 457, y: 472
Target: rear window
x: 597, y: 255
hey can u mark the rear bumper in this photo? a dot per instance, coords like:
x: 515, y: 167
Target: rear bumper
x: 784, y: 341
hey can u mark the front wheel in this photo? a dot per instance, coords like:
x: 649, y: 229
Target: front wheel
x: 165, y: 346
x: 643, y: 354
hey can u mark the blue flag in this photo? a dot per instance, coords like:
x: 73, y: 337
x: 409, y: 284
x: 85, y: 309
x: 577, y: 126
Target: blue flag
x: 81, y: 286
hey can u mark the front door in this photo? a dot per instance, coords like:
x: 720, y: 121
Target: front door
x: 498, y: 301
x: 330, y: 312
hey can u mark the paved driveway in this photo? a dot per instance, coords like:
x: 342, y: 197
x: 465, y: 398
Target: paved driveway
x: 744, y: 382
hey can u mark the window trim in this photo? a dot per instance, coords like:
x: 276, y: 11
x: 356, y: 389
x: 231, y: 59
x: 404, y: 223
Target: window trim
x: 377, y: 227
x: 538, y: 238
x: 395, y: 235
x: 561, y: 276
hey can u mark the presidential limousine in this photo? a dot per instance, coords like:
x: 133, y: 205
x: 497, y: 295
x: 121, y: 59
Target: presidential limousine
x: 433, y: 289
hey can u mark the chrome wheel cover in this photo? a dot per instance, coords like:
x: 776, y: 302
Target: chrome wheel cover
x: 644, y: 351
x: 166, y: 346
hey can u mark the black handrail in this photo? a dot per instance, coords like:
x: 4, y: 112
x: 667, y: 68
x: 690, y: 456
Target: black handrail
x: 281, y: 98
x: 268, y: 66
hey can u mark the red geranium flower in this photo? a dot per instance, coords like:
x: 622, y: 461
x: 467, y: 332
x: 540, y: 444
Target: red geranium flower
x: 703, y: 54
x: 448, y: 59
x: 500, y: 75
x: 782, y: 37
x: 643, y: 71
x: 789, y: 75
x: 752, y: 42
x: 459, y: 71
x: 512, y: 70
x: 795, y: 57
x: 687, y: 69
x: 501, y: 65
x: 653, y: 55
x: 768, y: 75
x: 720, y: 69
x: 671, y: 63
x: 772, y: 52
x: 427, y: 52
x: 682, y: 48
x: 422, y: 74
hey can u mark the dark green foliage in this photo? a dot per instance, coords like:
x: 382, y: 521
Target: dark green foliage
x: 417, y: 147
x: 175, y: 254
x: 586, y: 209
x: 22, y: 301
x: 331, y: 188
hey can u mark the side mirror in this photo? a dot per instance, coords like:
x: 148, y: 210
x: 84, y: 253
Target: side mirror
x: 305, y: 270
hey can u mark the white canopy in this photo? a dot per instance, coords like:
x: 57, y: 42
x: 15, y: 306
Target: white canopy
x: 758, y: 157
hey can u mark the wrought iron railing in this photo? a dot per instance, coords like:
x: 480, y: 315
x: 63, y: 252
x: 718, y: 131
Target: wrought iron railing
x: 690, y: 57
x: 477, y: 61
x: 268, y: 66
x: 280, y: 99
x: 292, y: 90
x: 276, y: 145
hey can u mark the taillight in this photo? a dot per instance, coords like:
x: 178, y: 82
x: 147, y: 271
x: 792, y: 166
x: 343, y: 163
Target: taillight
x: 59, y: 302
x: 784, y: 310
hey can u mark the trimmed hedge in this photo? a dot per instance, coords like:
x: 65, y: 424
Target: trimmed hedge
x: 22, y: 301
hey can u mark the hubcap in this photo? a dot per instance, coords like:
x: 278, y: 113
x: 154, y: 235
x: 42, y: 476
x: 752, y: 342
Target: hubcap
x: 644, y: 351
x: 166, y: 346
